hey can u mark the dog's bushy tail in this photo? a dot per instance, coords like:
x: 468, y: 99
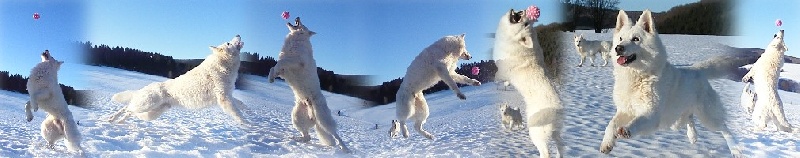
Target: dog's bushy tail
x: 123, y: 97
x: 723, y: 66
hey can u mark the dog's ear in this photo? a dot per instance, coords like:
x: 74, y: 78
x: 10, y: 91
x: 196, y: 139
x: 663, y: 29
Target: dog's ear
x: 462, y: 36
x: 312, y: 33
x: 60, y: 62
x: 646, y: 22
x: 622, y: 20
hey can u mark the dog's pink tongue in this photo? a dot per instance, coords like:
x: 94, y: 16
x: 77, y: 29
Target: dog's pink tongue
x: 621, y: 60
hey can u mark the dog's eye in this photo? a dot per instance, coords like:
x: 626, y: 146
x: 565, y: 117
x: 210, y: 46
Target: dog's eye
x: 228, y: 43
x: 776, y: 35
x: 635, y: 39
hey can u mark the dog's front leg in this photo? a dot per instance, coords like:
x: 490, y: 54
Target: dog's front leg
x: 37, y: 96
x: 464, y: 79
x: 274, y: 72
x: 444, y: 74
x: 609, y: 137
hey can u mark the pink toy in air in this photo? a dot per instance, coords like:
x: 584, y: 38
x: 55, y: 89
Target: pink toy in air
x: 532, y: 13
x: 285, y: 15
x: 476, y: 70
x: 778, y: 22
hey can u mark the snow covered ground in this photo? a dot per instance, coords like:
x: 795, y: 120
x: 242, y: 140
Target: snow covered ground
x: 467, y: 128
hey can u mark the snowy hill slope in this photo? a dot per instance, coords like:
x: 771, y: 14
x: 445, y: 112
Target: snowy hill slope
x: 466, y: 128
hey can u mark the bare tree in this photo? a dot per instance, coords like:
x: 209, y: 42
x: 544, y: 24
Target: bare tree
x: 573, y: 11
x: 600, y: 11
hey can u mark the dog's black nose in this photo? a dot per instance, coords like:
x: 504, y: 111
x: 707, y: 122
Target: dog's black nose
x: 620, y: 49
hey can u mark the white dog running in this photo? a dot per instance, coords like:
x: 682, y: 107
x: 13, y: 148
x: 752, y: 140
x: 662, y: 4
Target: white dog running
x: 652, y: 94
x: 210, y: 83
x: 45, y: 93
x: 591, y: 49
x: 765, y: 73
x: 435, y: 63
x: 520, y: 60
x: 297, y: 66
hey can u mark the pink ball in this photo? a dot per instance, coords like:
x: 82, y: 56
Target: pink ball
x: 285, y: 15
x: 778, y: 22
x: 36, y: 16
x: 476, y: 70
x: 532, y: 12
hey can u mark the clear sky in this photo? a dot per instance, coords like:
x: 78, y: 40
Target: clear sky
x: 757, y: 23
x: 23, y: 39
x: 353, y: 37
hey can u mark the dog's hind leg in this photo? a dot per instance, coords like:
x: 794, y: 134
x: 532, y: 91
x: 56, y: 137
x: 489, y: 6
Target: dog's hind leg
x: 120, y: 115
x: 421, y: 115
x: 28, y: 113
x: 405, y: 110
x: 302, y: 120
x: 778, y: 116
x: 559, y: 143
x: 154, y: 113
x: 52, y: 130
x: 691, y: 133
x: 326, y: 126
x: 540, y: 136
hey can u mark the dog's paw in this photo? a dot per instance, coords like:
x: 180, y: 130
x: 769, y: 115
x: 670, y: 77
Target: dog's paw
x: 302, y: 139
x: 461, y: 96
x: 606, y: 148
x: 476, y: 82
x: 746, y: 78
x: 623, y: 133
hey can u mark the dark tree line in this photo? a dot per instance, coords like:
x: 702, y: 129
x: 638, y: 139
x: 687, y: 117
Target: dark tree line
x: 17, y: 83
x: 134, y: 60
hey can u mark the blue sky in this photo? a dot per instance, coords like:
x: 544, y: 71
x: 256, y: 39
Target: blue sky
x: 756, y: 23
x: 354, y: 37
x: 23, y: 39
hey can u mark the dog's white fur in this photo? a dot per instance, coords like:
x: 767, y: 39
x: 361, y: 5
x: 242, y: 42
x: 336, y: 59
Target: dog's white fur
x: 748, y: 98
x: 591, y: 49
x: 210, y: 83
x: 520, y: 60
x: 765, y: 73
x: 511, y: 118
x: 394, y: 129
x: 297, y: 66
x: 435, y: 63
x: 652, y: 94
x: 45, y: 93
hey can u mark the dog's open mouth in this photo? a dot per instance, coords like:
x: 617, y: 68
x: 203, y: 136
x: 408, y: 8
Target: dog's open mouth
x: 625, y: 60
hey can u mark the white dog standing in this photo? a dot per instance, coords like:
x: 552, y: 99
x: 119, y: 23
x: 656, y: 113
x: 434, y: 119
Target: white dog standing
x: 511, y: 118
x: 591, y: 49
x: 297, y: 66
x: 435, y: 63
x: 652, y: 94
x: 520, y: 60
x: 765, y: 73
x: 210, y: 83
x: 45, y: 93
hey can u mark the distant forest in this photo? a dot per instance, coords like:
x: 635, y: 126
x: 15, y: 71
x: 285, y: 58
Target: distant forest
x: 17, y: 83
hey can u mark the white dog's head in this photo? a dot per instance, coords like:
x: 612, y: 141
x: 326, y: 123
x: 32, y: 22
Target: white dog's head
x: 231, y: 48
x: 46, y: 57
x: 514, y: 26
x: 454, y: 46
x: 638, y: 46
x: 777, y: 42
x: 578, y: 39
x: 299, y: 31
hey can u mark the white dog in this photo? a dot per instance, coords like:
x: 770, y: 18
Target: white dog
x: 435, y: 63
x: 210, y: 83
x: 652, y: 94
x: 511, y: 117
x: 591, y: 49
x: 297, y: 66
x: 520, y: 60
x: 45, y: 93
x: 748, y: 98
x: 765, y: 73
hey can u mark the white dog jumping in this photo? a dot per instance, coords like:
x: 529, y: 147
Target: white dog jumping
x: 297, y: 66
x: 511, y: 118
x: 435, y: 63
x: 765, y: 73
x: 210, y: 83
x: 520, y: 60
x: 652, y: 94
x: 591, y: 49
x: 45, y: 93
